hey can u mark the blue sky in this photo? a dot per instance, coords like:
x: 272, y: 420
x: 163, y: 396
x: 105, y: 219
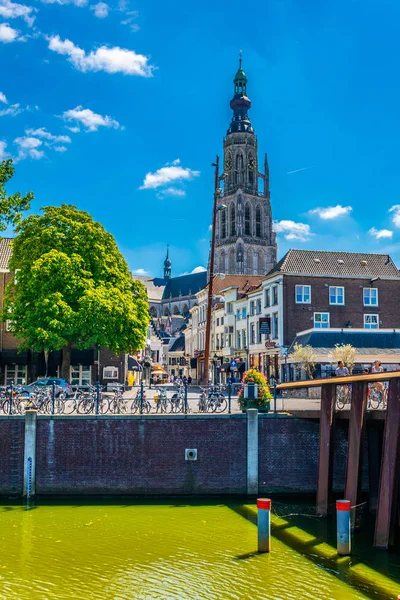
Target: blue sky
x: 95, y: 96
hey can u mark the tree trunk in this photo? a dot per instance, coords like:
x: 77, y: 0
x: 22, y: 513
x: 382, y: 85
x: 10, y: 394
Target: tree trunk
x: 46, y: 361
x: 66, y: 362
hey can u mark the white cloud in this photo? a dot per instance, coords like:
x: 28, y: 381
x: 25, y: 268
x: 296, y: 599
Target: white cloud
x: 396, y: 214
x: 89, y: 119
x: 380, y: 233
x: 79, y: 3
x: 12, y: 10
x: 8, y: 34
x: 140, y: 272
x: 100, y: 10
x: 293, y: 231
x: 73, y: 129
x: 11, y: 111
x: 3, y: 153
x: 171, y: 191
x: 199, y: 270
x: 3, y: 98
x: 60, y: 148
x: 46, y: 135
x: 110, y: 60
x: 331, y: 212
x: 28, y: 146
x: 168, y: 174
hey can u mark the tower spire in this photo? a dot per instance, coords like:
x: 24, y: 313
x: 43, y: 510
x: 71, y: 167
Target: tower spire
x: 240, y: 103
x: 167, y: 265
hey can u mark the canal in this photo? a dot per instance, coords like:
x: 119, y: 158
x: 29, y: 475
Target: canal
x: 174, y: 550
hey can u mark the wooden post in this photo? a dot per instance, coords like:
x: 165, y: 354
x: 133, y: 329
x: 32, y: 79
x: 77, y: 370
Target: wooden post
x: 328, y: 395
x: 389, y: 470
x: 356, y: 436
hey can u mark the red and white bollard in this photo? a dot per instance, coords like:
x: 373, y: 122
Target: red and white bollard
x: 264, y: 524
x: 343, y: 527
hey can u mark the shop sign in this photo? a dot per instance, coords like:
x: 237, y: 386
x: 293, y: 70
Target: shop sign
x: 265, y: 328
x: 270, y: 344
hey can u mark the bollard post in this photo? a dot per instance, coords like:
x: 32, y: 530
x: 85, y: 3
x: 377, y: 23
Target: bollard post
x: 29, y: 484
x: 229, y: 397
x: 275, y: 411
x: 185, y: 397
x: 343, y: 527
x: 97, y: 397
x: 11, y: 396
x: 53, y: 396
x: 141, y: 397
x: 264, y: 524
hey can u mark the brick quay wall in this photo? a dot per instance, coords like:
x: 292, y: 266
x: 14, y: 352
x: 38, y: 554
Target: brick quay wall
x: 146, y: 455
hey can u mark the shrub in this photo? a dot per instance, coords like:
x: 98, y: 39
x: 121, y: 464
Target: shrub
x: 264, y: 394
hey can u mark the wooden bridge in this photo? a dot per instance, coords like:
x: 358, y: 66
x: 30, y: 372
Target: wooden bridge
x: 386, y: 512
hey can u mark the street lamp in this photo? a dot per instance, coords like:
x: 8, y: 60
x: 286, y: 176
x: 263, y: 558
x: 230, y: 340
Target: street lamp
x: 216, y: 207
x: 215, y: 361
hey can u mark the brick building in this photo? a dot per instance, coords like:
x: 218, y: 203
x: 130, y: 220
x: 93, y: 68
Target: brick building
x: 27, y: 366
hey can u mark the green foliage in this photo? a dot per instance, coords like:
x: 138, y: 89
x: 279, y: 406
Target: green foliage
x: 73, y: 286
x: 264, y: 394
x: 11, y: 207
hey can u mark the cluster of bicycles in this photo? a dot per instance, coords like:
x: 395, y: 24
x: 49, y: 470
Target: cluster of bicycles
x: 212, y: 399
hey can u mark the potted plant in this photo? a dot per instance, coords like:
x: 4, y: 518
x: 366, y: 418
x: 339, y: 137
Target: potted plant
x: 262, y: 400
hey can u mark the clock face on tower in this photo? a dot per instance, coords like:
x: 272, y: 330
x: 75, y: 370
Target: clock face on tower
x: 252, y: 163
x: 228, y: 162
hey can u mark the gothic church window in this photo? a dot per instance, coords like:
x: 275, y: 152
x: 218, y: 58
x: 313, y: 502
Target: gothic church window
x: 260, y: 263
x: 233, y: 220
x: 247, y: 219
x: 223, y: 223
x: 222, y: 262
x: 232, y: 261
x: 258, y: 221
x: 250, y: 261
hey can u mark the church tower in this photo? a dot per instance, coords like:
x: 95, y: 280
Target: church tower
x: 245, y: 242
x: 167, y: 266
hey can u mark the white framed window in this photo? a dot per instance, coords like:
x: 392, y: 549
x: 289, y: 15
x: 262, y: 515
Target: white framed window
x: 371, y: 321
x: 303, y: 294
x: 110, y: 373
x: 370, y: 296
x: 16, y: 374
x: 321, y: 320
x: 238, y: 314
x: 336, y: 295
x: 275, y: 326
x: 238, y: 340
x: 244, y: 341
x: 217, y: 322
x: 252, y: 334
x: 244, y: 312
x: 229, y: 308
x: 258, y: 306
x: 275, y: 294
x: 252, y: 307
x: 267, y: 297
x: 80, y: 375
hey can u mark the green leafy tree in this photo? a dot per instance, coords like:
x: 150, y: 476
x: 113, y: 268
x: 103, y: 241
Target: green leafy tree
x: 11, y: 207
x: 72, y: 287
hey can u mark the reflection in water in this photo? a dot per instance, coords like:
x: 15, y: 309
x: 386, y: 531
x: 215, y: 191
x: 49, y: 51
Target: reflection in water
x: 164, y: 552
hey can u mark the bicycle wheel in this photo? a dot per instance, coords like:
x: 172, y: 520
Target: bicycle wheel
x: 135, y: 406
x: 340, y: 399
x: 70, y: 406
x: 220, y: 404
x: 375, y: 399
x: 85, y: 406
x: 104, y: 406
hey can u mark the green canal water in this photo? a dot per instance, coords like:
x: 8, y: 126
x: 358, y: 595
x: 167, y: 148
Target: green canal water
x: 178, y: 551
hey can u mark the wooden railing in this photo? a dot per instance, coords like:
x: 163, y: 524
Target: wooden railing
x: 371, y: 377
x: 386, y: 517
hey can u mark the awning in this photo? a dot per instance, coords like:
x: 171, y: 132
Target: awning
x: 133, y: 364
